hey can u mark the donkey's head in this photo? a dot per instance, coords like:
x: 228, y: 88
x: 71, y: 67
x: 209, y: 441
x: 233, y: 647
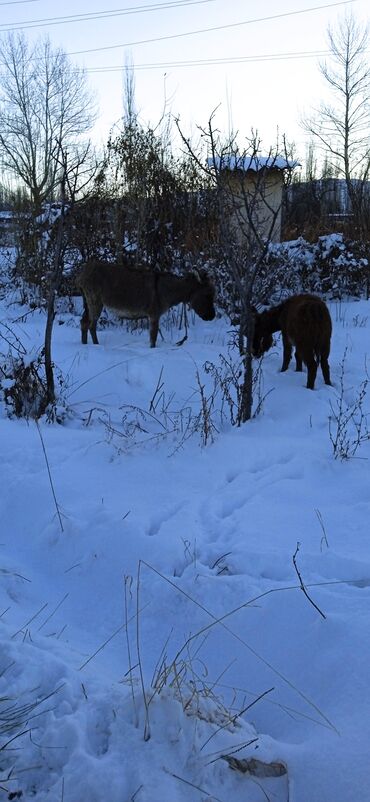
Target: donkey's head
x: 202, y: 295
x: 262, y: 337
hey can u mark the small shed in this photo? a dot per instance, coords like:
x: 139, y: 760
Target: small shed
x: 253, y: 188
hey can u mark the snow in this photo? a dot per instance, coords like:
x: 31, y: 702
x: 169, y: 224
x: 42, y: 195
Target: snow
x: 255, y: 163
x: 201, y: 541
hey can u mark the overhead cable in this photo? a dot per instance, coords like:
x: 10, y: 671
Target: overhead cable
x: 214, y: 28
x: 209, y: 62
x: 98, y: 15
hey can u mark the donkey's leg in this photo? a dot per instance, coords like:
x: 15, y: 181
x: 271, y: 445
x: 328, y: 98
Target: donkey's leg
x: 287, y: 353
x: 95, y: 312
x: 311, y: 371
x: 325, y: 365
x: 298, y: 362
x: 153, y: 330
x: 90, y: 317
x: 93, y: 333
x: 84, y: 323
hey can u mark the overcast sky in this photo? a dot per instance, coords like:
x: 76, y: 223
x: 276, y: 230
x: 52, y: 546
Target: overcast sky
x: 263, y: 93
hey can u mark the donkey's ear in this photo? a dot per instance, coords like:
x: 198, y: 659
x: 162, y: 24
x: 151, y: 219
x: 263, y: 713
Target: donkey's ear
x: 197, y: 275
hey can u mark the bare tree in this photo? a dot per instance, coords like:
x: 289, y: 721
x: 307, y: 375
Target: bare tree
x: 249, y: 219
x: 45, y: 106
x: 342, y: 125
x: 76, y: 175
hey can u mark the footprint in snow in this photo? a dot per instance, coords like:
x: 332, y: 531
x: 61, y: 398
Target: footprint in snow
x: 162, y: 517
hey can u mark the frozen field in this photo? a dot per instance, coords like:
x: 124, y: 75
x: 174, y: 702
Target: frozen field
x: 168, y: 549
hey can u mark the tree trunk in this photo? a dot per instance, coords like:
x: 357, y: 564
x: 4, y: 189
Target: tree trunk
x: 246, y: 332
x: 55, y: 282
x: 245, y: 412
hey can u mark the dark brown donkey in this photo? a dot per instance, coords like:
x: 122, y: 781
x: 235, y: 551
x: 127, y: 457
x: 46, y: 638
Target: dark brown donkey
x: 140, y: 293
x: 305, y: 322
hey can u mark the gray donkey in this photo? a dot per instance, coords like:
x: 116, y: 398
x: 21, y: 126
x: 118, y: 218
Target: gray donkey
x: 140, y: 293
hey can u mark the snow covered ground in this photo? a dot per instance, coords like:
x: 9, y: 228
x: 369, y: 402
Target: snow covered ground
x: 199, y: 540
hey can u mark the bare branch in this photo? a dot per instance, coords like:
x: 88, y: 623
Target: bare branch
x: 44, y: 104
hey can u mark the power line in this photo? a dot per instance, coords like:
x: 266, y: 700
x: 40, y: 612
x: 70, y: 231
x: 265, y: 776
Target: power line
x: 97, y: 15
x: 209, y: 62
x: 18, y: 2
x: 215, y: 28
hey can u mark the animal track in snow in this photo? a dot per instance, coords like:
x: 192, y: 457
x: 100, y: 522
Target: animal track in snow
x: 98, y: 732
x: 231, y: 475
x: 231, y: 505
x: 162, y: 517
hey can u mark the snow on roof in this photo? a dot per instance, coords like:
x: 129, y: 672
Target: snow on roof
x: 256, y: 163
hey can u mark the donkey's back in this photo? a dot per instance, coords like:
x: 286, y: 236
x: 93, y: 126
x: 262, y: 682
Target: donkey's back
x: 306, y: 319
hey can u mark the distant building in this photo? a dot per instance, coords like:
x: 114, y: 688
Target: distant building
x: 253, y: 187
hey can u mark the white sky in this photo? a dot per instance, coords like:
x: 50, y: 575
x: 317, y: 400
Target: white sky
x: 262, y: 95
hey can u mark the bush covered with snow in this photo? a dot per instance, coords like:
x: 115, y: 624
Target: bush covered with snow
x: 332, y: 266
